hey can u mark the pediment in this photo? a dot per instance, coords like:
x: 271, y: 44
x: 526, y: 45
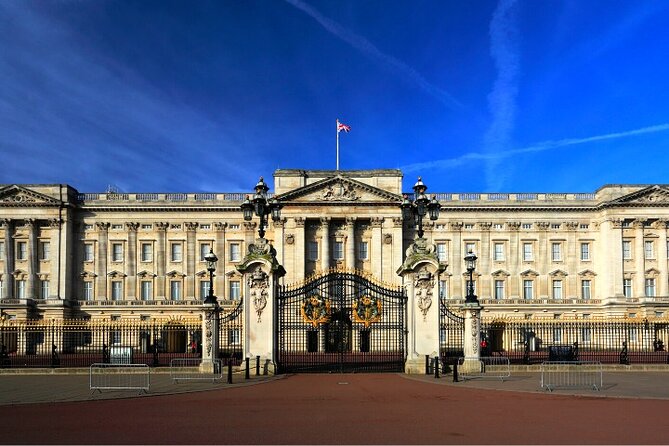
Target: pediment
x: 175, y: 273
x: 15, y: 195
x: 87, y: 274
x: 116, y: 274
x: 529, y: 273
x: 203, y: 274
x: 146, y: 273
x: 558, y: 273
x: 651, y: 195
x: 339, y: 189
x: 587, y: 272
x: 500, y: 273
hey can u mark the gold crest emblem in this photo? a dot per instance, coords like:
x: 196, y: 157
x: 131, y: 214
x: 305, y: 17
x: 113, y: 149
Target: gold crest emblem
x: 316, y: 310
x: 367, y: 310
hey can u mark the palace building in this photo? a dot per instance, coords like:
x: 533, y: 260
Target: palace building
x: 66, y: 254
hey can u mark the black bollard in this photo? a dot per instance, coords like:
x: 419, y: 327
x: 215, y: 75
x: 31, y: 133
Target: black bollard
x: 436, y: 366
x: 257, y: 365
x: 455, y: 371
x: 230, y: 371
x: 248, y: 371
x: 427, y: 364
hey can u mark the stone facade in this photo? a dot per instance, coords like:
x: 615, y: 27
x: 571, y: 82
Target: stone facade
x: 65, y: 254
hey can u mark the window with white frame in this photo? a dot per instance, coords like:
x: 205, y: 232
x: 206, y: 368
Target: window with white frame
x: 442, y: 253
x: 176, y: 252
x: 557, y: 334
x: 21, y: 250
x: 312, y: 251
x: 649, y: 249
x: 146, y: 290
x: 338, y: 253
x: 443, y: 289
x: 117, y: 290
x: 526, y: 225
x: 586, y: 335
x: 528, y: 254
x: 44, y: 289
x: 88, y: 290
x: 556, y: 251
x: 20, y: 289
x: 115, y: 337
x: 528, y: 289
x: 650, y: 287
x: 117, y: 252
x: 235, y: 252
x: 499, y: 289
x: 88, y: 252
x: 557, y: 289
x: 585, y: 251
x: 147, y: 252
x: 235, y: 290
x: 627, y: 287
x: 205, y: 247
x: 175, y: 290
x: 627, y: 249
x: 631, y: 334
x: 204, y: 289
x: 498, y: 251
x: 44, y: 250
x: 363, y: 250
x: 234, y: 336
x: 585, y: 288
x: 470, y: 247
x: 2, y: 250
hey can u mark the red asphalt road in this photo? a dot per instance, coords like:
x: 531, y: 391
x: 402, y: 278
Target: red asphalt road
x: 342, y: 409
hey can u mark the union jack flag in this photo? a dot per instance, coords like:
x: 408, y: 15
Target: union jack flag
x: 343, y: 127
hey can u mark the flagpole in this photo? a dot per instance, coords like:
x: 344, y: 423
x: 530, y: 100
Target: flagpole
x: 337, y: 144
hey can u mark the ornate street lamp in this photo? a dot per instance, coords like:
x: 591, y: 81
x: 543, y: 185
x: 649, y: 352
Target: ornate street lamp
x: 261, y: 206
x: 470, y: 263
x: 211, y: 260
x: 421, y: 206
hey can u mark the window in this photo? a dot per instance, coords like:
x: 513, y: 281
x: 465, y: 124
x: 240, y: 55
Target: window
x: 498, y: 253
x: 442, y: 253
x: 88, y: 290
x: 20, y: 289
x: 659, y: 314
x: 204, y: 289
x: 117, y: 226
x: 115, y: 336
x: 555, y: 226
x: 175, y: 290
x: 44, y: 289
x: 204, y: 250
x: 557, y: 335
x: 205, y: 226
x: 648, y: 249
x: 443, y: 289
x: 585, y: 289
x: 146, y: 290
x: 2, y: 250
x: 235, y: 290
x: 470, y: 247
x: 363, y: 251
x: 585, y: 251
x: 584, y: 226
x: 117, y: 252
x: 526, y: 226
x: 528, y: 289
x: 627, y: 287
x: 147, y: 226
x: 44, y: 250
x: 627, y: 249
x: 312, y: 251
x: 88, y: 252
x: 338, y: 253
x: 557, y: 289
x: 21, y: 251
x: 117, y: 290
x: 176, y: 253
x: 528, y: 255
x: 556, y: 252
x: 499, y: 289
x: 498, y: 226
x: 234, y: 337
x: 235, y: 252
x: 586, y: 335
x: 650, y: 287
x: 147, y: 252
x: 632, y: 334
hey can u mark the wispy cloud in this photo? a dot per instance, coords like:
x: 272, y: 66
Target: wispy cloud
x: 404, y: 71
x: 502, y: 99
x: 539, y: 147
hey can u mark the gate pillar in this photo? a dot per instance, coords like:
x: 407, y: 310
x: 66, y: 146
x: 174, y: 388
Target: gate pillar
x: 261, y: 272
x: 210, y: 339
x: 420, y: 277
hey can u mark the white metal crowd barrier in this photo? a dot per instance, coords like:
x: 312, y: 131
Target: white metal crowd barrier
x: 484, y: 367
x: 195, y: 369
x: 571, y: 374
x: 120, y: 377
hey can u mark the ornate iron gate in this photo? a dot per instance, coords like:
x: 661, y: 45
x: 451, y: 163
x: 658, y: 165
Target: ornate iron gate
x: 341, y: 322
x: 451, y: 334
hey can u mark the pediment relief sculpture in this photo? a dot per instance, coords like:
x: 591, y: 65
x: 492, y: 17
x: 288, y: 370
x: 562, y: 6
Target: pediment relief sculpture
x: 650, y: 195
x: 17, y: 196
x: 339, y: 189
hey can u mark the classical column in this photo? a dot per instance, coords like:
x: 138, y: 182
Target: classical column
x: 609, y: 259
x: 101, y: 261
x: 279, y: 239
x: 662, y: 256
x: 131, y: 283
x: 191, y: 258
x: 33, y: 263
x: 484, y: 257
x: 543, y: 260
x: 573, y: 257
x: 639, y: 259
x: 325, y: 237
x: 299, y: 253
x: 66, y: 255
x: 513, y: 259
x: 54, y: 276
x: 350, y: 242
x: 161, y: 228
x: 397, y: 243
x: 219, y: 250
x: 455, y: 261
x: 377, y: 247
x: 8, y: 278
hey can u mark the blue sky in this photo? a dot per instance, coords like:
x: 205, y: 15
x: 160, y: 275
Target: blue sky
x: 476, y: 96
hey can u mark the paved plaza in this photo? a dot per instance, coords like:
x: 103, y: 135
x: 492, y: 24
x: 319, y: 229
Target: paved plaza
x: 337, y: 409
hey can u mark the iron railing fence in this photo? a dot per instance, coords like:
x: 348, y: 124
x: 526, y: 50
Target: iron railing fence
x: 622, y: 341
x: 231, y: 336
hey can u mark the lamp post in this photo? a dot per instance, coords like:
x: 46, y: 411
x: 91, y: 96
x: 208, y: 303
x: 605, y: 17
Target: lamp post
x: 470, y: 263
x: 211, y: 260
x: 420, y: 206
x: 261, y: 206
